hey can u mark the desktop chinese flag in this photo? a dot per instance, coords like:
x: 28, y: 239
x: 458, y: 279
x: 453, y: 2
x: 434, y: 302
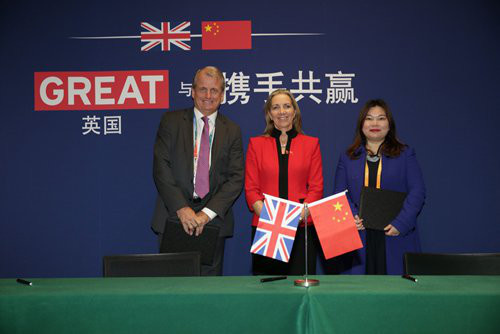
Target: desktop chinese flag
x: 335, y: 225
x: 226, y: 35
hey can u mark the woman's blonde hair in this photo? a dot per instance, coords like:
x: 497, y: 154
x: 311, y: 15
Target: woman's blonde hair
x: 297, y: 120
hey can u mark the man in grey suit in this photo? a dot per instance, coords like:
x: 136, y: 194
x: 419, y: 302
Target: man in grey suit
x: 198, y: 165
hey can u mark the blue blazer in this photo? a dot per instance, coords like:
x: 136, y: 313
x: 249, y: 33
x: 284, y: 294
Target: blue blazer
x: 402, y: 174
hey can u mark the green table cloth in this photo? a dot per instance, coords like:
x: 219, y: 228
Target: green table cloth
x: 340, y: 304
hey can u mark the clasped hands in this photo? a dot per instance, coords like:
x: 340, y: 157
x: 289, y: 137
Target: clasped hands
x: 389, y: 229
x: 192, y: 222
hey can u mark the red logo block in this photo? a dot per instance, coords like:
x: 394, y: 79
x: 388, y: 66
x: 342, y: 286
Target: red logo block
x: 107, y: 90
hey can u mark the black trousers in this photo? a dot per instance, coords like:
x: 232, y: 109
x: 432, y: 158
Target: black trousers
x: 216, y: 268
x: 262, y: 265
x: 375, y: 252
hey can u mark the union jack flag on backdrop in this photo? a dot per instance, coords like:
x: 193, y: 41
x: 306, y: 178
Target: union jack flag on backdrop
x: 165, y: 36
x: 276, y: 229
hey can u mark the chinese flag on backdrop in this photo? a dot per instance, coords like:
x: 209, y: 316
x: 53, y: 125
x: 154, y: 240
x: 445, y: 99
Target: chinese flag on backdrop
x: 335, y: 225
x: 226, y: 35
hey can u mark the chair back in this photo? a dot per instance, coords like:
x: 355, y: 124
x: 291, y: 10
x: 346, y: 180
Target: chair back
x: 452, y: 264
x: 152, y: 265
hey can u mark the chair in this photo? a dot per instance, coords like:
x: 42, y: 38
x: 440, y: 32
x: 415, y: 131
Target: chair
x: 452, y: 264
x: 152, y: 265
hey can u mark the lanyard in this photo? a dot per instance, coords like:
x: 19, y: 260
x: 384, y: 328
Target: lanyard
x: 379, y: 173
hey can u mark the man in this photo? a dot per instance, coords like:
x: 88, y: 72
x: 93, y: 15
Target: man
x: 198, y: 165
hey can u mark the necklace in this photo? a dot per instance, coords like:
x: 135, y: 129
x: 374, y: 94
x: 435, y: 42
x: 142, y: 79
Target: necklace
x: 283, y: 144
x: 373, y: 157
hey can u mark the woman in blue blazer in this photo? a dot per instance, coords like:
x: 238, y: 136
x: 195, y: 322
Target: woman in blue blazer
x: 379, y: 159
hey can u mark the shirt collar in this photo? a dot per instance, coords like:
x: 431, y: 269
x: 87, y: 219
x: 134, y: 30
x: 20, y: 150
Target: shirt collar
x: 292, y: 133
x: 199, y: 115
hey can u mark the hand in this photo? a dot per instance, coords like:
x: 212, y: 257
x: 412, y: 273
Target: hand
x: 305, y: 210
x: 359, y: 223
x: 202, y: 219
x: 391, y: 231
x: 257, y: 207
x: 188, y: 219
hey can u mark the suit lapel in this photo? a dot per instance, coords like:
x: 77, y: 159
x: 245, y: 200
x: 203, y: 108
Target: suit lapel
x: 292, y: 156
x: 360, y: 170
x: 220, y: 133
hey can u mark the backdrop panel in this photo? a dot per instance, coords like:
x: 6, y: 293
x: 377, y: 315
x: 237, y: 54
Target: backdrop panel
x: 76, y: 180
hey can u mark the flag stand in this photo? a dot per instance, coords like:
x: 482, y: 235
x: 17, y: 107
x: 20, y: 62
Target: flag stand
x: 306, y: 282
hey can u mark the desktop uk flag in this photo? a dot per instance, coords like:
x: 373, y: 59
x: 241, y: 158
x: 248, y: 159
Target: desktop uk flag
x: 276, y: 229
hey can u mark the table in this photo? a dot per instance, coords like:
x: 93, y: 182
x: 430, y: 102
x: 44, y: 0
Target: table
x: 340, y: 304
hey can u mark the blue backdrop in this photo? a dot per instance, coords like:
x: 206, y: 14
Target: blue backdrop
x: 67, y: 198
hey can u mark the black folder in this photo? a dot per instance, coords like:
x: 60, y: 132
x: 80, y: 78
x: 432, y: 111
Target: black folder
x: 378, y: 207
x: 176, y: 240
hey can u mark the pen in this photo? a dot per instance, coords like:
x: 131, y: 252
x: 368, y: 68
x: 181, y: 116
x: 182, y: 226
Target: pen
x: 23, y: 281
x: 411, y: 278
x: 270, y: 279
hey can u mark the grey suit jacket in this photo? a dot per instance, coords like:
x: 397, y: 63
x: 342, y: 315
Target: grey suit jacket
x: 173, y: 170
